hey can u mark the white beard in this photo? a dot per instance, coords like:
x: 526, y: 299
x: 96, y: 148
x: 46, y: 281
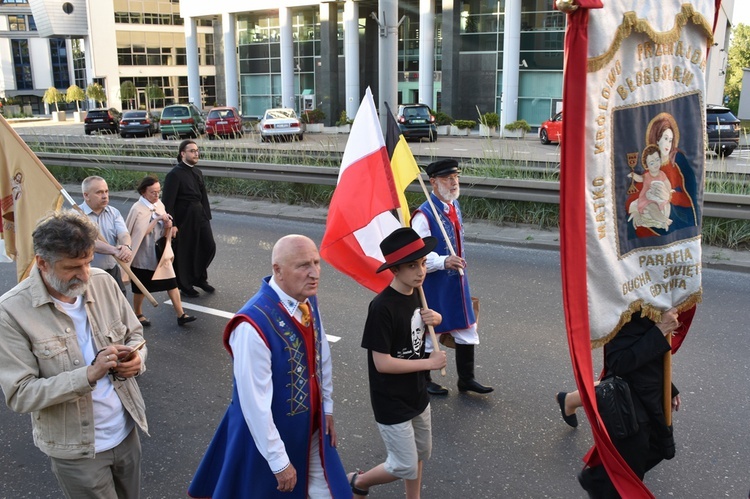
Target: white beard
x: 71, y: 289
x: 446, y: 194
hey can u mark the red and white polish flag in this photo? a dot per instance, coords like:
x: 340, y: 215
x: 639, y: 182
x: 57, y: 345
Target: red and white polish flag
x: 360, y: 213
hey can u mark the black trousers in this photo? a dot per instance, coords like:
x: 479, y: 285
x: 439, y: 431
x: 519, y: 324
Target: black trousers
x: 641, y: 451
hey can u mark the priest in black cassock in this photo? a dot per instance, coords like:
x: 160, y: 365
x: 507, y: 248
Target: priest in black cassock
x: 185, y: 198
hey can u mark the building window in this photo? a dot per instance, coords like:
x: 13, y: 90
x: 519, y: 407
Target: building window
x: 59, y: 57
x: 79, y: 62
x: 21, y: 23
x: 16, y: 23
x: 17, y: 2
x: 159, y: 12
x: 22, y: 64
x: 260, y: 60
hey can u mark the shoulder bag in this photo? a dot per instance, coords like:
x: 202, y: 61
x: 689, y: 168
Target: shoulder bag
x: 615, y: 403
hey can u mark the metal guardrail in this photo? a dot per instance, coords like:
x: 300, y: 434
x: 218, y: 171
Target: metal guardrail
x: 540, y: 191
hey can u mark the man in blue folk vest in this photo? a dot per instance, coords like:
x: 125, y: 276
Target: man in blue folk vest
x: 277, y: 438
x: 446, y: 290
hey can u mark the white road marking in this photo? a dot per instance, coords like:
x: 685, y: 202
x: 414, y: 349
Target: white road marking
x: 229, y: 315
x: 460, y: 149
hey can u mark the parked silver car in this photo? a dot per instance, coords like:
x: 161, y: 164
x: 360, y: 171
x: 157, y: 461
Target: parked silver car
x: 280, y: 123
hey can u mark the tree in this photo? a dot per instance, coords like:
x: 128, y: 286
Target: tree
x: 53, y: 96
x: 127, y: 92
x: 75, y: 94
x: 96, y: 92
x: 154, y: 92
x: 739, y: 57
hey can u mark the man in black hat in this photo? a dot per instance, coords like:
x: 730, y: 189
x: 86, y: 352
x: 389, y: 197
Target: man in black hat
x: 394, y: 339
x: 446, y: 286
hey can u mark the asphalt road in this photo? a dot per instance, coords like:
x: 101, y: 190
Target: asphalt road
x: 510, y: 444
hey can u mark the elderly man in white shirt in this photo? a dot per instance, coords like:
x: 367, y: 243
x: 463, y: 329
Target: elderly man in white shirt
x: 282, y: 404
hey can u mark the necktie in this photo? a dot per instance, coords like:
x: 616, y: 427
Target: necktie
x: 305, y: 309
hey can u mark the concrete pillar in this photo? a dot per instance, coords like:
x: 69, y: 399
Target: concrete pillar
x: 388, y: 47
x: 193, y: 69
x: 286, y: 54
x: 426, y: 52
x: 511, y: 51
x: 228, y: 23
x: 351, y: 57
x: 450, y: 64
x: 327, y: 72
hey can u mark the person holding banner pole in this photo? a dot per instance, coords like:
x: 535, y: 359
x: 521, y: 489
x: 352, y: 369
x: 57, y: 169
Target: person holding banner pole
x: 115, y: 242
x: 446, y: 285
x: 636, y: 354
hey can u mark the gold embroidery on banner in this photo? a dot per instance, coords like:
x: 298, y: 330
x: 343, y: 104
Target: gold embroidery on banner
x: 646, y: 311
x: 631, y: 22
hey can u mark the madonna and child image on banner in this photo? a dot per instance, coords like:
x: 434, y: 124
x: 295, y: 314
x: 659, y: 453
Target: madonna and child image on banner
x: 657, y: 161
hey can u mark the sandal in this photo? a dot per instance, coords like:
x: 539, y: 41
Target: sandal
x: 355, y: 489
x: 144, y: 322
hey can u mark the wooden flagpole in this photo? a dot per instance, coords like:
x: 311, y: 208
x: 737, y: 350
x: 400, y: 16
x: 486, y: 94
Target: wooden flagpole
x: 423, y: 299
x: 668, y: 382
x: 437, y: 218
x: 65, y: 194
x: 122, y: 264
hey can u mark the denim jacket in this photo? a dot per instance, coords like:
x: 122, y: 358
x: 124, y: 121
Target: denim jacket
x: 43, y: 371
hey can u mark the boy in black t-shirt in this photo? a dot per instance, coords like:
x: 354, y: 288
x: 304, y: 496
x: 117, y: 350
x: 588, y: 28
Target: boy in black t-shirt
x: 394, y: 339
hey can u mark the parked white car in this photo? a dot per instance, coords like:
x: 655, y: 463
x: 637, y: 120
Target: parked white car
x: 280, y: 123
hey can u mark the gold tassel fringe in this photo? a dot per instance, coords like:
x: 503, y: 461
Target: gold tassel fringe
x: 631, y: 22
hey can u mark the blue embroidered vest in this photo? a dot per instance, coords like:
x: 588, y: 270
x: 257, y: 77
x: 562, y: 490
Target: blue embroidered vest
x: 445, y: 290
x: 232, y: 466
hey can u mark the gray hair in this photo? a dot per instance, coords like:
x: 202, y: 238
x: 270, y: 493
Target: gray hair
x: 88, y: 181
x: 66, y: 233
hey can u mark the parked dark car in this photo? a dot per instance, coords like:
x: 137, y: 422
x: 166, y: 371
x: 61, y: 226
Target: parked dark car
x: 416, y: 121
x: 551, y: 130
x: 722, y: 130
x: 182, y: 119
x: 134, y: 123
x: 102, y: 120
x: 223, y: 121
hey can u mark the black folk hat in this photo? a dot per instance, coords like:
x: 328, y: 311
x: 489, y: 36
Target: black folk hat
x: 404, y: 245
x: 442, y: 168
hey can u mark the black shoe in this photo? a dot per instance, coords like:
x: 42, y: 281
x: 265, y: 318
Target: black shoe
x: 473, y: 386
x: 184, y: 319
x: 584, y: 478
x: 190, y: 292
x: 572, y: 420
x: 206, y: 287
x: 436, y: 389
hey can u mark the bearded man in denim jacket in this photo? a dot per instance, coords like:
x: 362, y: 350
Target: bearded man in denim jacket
x: 66, y: 346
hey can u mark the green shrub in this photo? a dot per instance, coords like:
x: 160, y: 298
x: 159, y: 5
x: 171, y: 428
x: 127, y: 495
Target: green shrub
x: 441, y: 118
x: 518, y: 125
x: 313, y: 116
x: 344, y: 119
x: 490, y: 120
x: 464, y: 124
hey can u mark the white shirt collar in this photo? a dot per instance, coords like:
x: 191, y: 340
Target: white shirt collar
x: 148, y: 203
x: 290, y: 304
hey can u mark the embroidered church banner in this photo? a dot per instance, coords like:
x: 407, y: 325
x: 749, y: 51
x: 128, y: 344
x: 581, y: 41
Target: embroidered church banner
x: 643, y: 158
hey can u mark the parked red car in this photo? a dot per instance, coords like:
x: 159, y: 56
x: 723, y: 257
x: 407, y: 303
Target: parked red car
x: 551, y: 130
x: 223, y: 121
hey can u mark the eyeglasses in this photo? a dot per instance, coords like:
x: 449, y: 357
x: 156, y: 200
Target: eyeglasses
x: 449, y: 178
x: 191, y: 150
